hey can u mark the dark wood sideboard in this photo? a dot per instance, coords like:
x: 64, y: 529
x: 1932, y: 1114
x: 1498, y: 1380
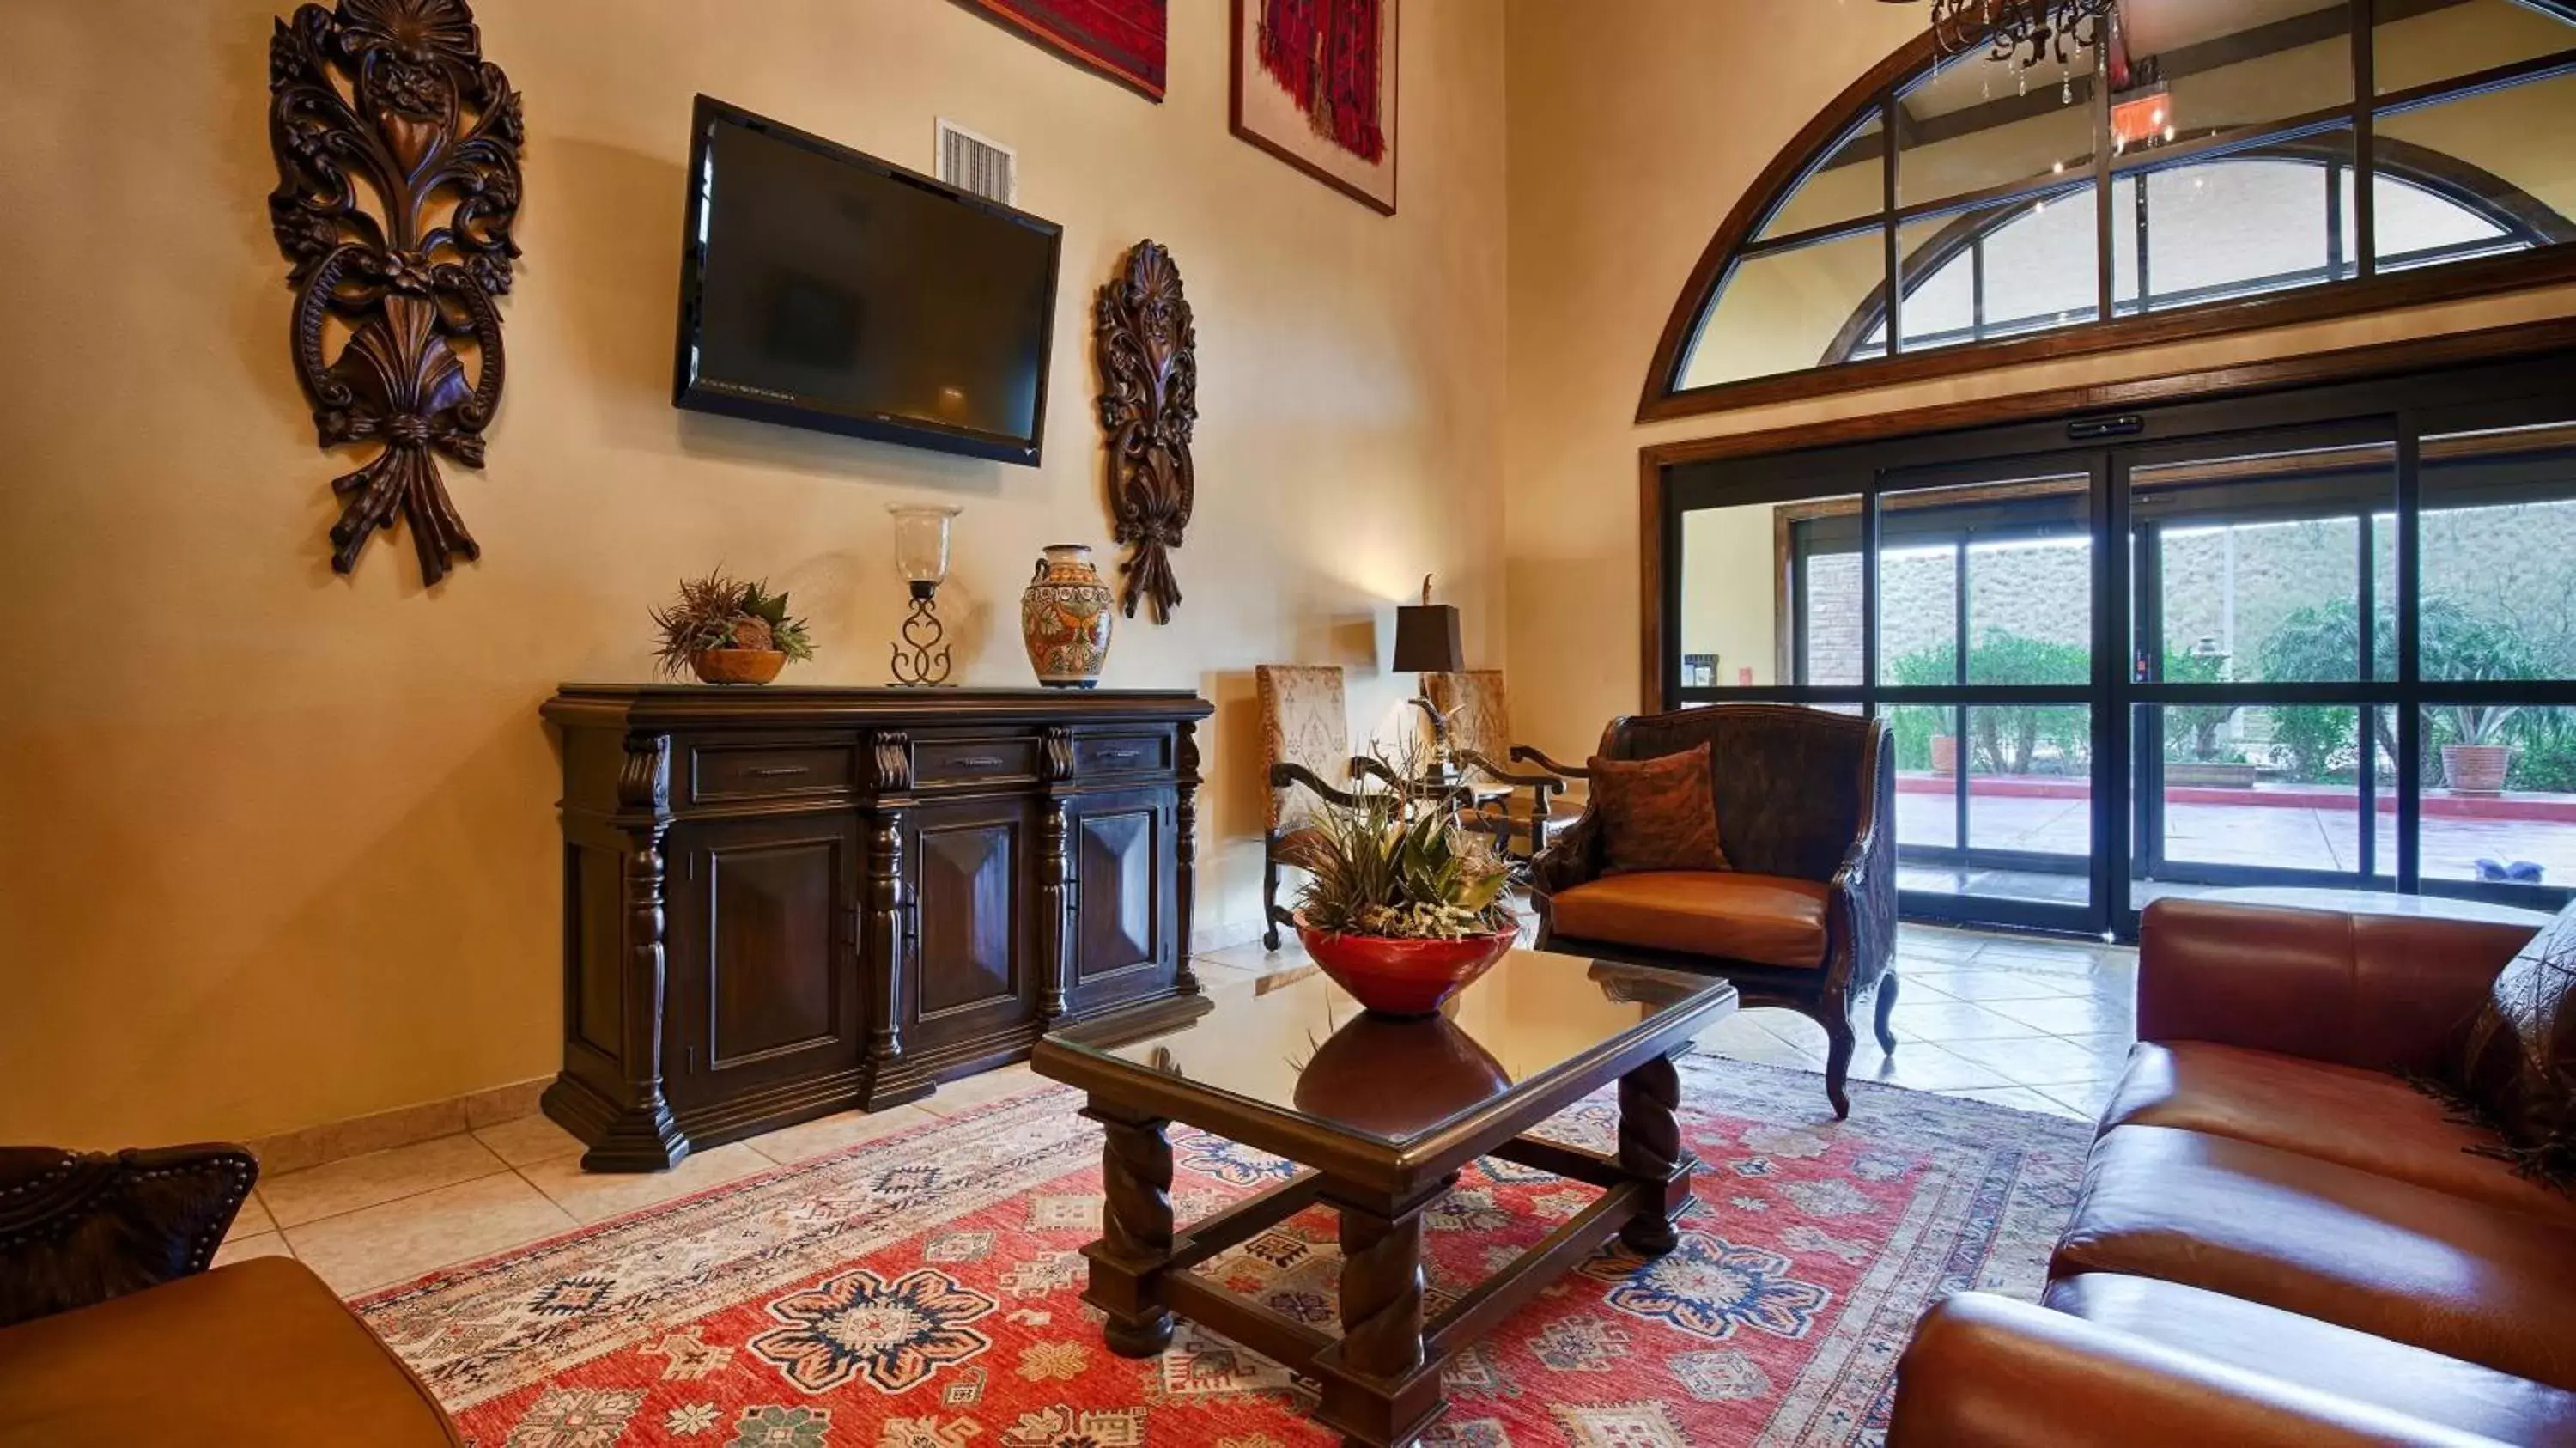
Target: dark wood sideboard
x: 782, y: 902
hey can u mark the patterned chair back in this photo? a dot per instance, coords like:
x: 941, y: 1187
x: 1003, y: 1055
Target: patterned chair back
x: 1304, y: 720
x: 1480, y: 714
x: 1791, y: 782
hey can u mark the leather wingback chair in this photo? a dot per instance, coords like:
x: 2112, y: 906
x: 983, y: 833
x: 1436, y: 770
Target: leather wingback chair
x: 1479, y: 722
x: 1805, y: 919
x: 116, y: 1328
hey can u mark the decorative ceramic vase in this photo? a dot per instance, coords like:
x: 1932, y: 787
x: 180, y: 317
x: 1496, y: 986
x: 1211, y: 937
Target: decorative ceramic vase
x: 1397, y: 1078
x: 1065, y: 617
x: 738, y: 666
x: 1403, y: 977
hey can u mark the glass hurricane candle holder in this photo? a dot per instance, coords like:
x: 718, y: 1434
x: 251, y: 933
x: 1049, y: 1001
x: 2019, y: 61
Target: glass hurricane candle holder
x: 921, y: 556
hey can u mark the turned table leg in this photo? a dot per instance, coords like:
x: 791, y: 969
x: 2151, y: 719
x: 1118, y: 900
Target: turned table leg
x: 1650, y: 1150
x: 1136, y: 1230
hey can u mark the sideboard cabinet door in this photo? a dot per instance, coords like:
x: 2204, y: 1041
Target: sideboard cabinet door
x: 1122, y: 930
x: 763, y: 982
x: 973, y: 956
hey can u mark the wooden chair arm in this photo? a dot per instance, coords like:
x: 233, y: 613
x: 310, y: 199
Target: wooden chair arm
x: 1282, y: 776
x: 78, y: 1228
x: 1545, y: 784
x: 1524, y: 754
x: 1456, y: 795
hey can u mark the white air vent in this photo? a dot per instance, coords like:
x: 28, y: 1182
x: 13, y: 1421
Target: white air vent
x: 978, y: 164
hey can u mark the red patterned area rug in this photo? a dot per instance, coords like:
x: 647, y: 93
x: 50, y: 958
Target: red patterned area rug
x: 923, y: 1291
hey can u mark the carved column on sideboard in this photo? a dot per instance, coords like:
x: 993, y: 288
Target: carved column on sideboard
x: 641, y: 1136
x: 1185, y: 762
x: 1056, y: 898
x: 892, y: 939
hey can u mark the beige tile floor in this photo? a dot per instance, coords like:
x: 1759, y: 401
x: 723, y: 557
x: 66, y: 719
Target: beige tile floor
x: 2040, y: 1025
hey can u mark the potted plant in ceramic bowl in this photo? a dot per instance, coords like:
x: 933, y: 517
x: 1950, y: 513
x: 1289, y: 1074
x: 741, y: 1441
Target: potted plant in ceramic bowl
x: 1402, y: 906
x: 727, y: 631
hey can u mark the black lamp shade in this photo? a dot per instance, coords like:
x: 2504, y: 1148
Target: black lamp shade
x: 1426, y: 639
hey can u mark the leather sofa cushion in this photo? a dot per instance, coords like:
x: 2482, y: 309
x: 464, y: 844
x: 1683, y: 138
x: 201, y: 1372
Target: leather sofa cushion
x: 255, y: 1352
x: 2311, y: 1354
x: 1764, y: 919
x: 2363, y: 1119
x: 2381, y: 1256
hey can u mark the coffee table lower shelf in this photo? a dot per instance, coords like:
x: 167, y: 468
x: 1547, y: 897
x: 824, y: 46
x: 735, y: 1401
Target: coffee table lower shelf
x: 1380, y: 1379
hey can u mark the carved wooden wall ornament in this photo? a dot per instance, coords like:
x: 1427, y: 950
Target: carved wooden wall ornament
x: 391, y: 101
x: 1149, y: 402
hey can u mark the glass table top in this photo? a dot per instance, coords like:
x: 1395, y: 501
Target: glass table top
x: 1296, y: 1042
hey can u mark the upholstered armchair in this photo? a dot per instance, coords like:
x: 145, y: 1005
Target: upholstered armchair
x: 116, y: 1327
x: 1805, y: 919
x: 1479, y: 725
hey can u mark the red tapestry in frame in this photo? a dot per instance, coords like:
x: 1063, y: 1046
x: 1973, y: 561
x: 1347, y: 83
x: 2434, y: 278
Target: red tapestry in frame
x: 1314, y: 85
x: 1121, y: 39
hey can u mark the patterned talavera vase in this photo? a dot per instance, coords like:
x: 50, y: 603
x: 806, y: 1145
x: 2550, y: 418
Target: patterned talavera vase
x: 1064, y: 616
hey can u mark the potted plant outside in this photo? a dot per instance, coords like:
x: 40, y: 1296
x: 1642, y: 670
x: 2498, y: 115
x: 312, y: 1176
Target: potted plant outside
x: 1402, y: 906
x: 727, y: 631
x: 2477, y: 762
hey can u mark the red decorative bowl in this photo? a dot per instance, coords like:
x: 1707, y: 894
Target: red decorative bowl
x: 1404, y: 977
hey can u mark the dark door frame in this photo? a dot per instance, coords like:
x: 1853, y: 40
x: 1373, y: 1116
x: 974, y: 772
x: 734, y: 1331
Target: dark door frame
x: 2497, y: 377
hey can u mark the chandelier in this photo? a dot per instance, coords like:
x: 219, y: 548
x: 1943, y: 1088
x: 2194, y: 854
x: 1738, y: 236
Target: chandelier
x: 2030, y: 31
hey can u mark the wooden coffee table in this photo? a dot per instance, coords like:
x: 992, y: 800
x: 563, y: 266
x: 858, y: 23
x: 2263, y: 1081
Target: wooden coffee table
x: 1381, y: 1114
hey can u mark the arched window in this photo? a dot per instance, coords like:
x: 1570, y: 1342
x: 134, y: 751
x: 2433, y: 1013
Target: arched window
x: 2215, y: 167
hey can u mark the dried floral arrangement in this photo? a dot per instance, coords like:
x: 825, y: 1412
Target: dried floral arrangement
x: 717, y: 612
x: 1400, y: 866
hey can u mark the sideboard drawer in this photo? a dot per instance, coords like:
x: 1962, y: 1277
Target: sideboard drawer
x: 963, y: 761
x: 1095, y: 754
x: 726, y: 771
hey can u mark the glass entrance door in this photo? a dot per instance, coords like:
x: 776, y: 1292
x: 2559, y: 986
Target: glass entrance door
x: 2262, y: 662
x: 1989, y: 667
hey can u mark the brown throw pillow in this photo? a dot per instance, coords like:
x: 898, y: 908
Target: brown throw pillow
x: 1658, y: 814
x: 2519, y: 1067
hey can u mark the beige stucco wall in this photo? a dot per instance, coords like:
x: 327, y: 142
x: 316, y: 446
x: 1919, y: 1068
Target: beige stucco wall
x: 280, y: 846
x: 1634, y: 130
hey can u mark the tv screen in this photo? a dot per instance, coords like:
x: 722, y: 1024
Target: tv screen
x: 827, y: 289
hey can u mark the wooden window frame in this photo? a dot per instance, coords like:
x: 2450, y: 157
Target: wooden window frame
x: 1663, y: 398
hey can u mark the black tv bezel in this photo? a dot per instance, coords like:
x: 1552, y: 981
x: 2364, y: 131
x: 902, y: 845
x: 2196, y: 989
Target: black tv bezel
x: 812, y: 413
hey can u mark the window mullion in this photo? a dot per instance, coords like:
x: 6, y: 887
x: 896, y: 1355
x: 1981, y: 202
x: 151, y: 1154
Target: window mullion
x: 1895, y: 309
x: 2365, y: 164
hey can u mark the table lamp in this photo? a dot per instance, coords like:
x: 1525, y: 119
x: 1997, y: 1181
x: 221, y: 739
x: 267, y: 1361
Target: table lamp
x: 1426, y: 642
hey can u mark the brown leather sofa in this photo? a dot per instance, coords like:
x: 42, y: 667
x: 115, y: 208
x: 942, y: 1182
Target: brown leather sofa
x: 113, y: 1329
x: 1806, y: 919
x: 2278, y: 1239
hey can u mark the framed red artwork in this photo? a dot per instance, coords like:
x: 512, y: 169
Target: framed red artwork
x: 1314, y: 85
x: 1121, y: 39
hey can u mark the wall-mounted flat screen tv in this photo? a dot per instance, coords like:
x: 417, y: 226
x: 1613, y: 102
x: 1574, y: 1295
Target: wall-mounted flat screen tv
x: 827, y: 289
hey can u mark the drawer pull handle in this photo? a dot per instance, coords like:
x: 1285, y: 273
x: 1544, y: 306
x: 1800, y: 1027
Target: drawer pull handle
x: 980, y: 761
x: 780, y: 771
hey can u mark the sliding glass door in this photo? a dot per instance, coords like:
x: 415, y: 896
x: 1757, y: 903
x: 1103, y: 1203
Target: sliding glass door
x: 2262, y: 665
x: 1986, y: 668
x: 2333, y: 645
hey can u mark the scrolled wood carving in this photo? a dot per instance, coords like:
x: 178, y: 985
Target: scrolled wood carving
x: 1149, y: 402
x: 394, y: 97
